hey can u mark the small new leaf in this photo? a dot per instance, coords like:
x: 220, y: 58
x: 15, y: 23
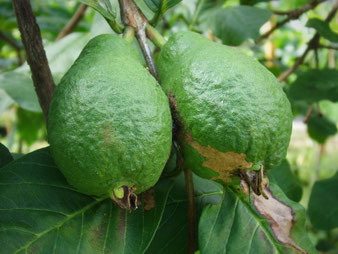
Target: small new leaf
x: 161, y: 6
x: 101, y: 7
x: 323, y: 29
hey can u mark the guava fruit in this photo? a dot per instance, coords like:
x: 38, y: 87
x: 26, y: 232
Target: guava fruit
x: 232, y: 113
x: 109, y: 122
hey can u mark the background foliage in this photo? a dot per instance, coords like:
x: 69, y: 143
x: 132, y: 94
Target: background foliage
x: 308, y: 176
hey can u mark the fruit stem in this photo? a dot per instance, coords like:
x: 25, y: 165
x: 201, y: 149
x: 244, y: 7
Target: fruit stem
x: 133, y: 17
x: 155, y: 36
x: 189, y: 184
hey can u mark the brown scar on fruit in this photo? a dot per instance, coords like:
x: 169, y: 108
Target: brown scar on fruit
x: 279, y: 216
x: 222, y: 163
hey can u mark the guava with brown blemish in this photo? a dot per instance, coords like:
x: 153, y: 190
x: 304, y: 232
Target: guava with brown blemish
x: 109, y: 123
x: 232, y: 111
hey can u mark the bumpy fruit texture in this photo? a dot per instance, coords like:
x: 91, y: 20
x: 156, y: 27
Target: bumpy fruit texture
x: 109, y: 121
x: 232, y: 110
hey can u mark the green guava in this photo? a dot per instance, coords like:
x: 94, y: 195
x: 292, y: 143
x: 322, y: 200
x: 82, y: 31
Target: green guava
x: 109, y: 122
x: 232, y: 113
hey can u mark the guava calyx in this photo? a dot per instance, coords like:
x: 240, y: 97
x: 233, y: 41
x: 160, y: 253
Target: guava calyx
x: 125, y: 197
x: 256, y: 180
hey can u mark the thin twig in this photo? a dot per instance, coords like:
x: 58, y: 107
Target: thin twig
x: 73, y: 22
x: 308, y: 114
x: 36, y: 55
x: 291, y: 15
x: 133, y: 17
x: 14, y: 45
x: 328, y: 47
x: 298, y: 62
x: 313, y: 44
x: 10, y: 41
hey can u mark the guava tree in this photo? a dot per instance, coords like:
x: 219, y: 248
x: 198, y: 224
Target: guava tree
x: 40, y: 212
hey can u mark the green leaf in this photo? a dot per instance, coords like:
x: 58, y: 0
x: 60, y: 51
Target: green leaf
x: 5, y: 101
x: 19, y: 86
x: 30, y: 126
x: 315, y: 85
x: 172, y: 234
x: 287, y: 181
x: 323, y: 28
x: 276, y: 225
x: 329, y: 109
x: 100, y: 7
x: 62, y: 54
x: 234, y: 25
x: 252, y: 2
x: 5, y: 156
x: 161, y: 6
x: 323, y: 205
x: 41, y: 213
x: 320, y: 128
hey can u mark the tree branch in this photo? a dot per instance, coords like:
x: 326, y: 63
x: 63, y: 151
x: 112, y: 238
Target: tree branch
x: 132, y: 16
x: 328, y: 47
x: 36, y: 56
x: 73, y: 22
x: 313, y: 44
x: 13, y: 44
x: 294, y: 14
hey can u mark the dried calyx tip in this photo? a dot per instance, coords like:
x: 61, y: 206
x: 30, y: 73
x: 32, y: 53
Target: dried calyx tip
x: 125, y: 197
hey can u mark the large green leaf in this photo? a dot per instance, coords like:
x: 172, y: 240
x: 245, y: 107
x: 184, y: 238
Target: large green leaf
x: 234, y: 25
x: 5, y: 156
x: 30, y: 126
x: 5, y: 101
x: 237, y: 225
x: 315, y: 85
x: 161, y: 6
x: 41, y: 213
x: 172, y: 235
x: 287, y: 181
x: 320, y: 128
x: 323, y: 29
x: 323, y: 205
x: 19, y: 86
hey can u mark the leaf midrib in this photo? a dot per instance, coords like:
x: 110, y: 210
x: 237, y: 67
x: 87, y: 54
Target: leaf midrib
x: 259, y: 221
x: 69, y: 217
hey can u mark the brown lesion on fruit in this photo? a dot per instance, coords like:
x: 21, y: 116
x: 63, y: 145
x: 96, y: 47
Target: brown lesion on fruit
x: 128, y: 200
x: 108, y: 134
x: 279, y: 215
x: 222, y: 163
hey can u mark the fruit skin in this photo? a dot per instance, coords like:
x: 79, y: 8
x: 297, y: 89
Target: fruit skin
x: 109, y: 120
x: 232, y: 110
